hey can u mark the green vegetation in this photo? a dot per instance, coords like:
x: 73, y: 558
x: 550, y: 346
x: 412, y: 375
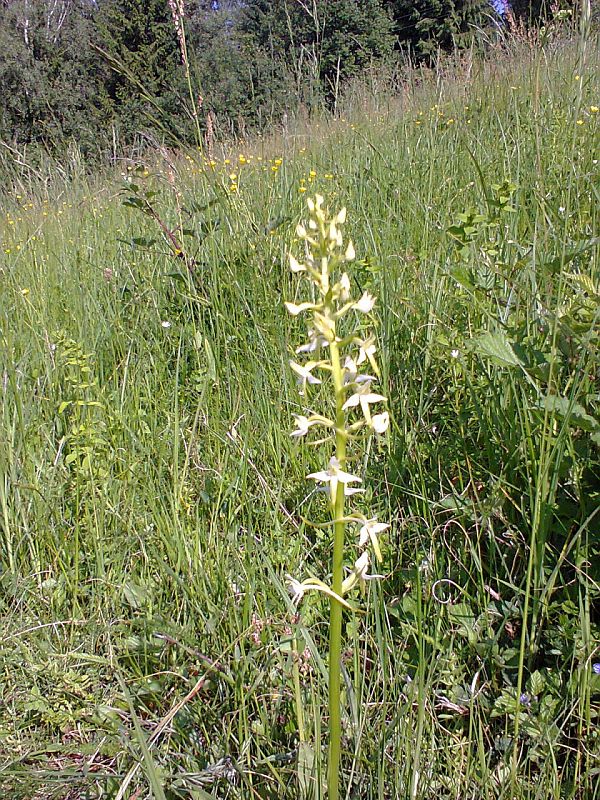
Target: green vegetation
x: 152, y: 501
x: 110, y: 74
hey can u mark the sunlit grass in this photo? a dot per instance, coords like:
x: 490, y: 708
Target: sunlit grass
x: 147, y: 526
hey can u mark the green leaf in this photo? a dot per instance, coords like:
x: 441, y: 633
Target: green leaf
x: 505, y: 703
x: 410, y: 606
x: 462, y: 276
x: 536, y: 683
x: 306, y: 769
x: 457, y: 232
x: 573, y: 413
x: 497, y: 348
x: 555, y: 264
x: 141, y: 241
x: 462, y: 616
x: 135, y: 595
x: 133, y: 202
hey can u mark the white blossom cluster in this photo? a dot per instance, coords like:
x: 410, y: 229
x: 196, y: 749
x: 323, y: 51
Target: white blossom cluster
x: 342, y: 359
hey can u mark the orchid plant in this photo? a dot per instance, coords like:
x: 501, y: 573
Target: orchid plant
x: 341, y: 355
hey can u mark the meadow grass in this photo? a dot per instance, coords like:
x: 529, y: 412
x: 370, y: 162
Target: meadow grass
x: 152, y: 500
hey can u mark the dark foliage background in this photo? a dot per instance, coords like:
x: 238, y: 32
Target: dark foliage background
x: 101, y: 72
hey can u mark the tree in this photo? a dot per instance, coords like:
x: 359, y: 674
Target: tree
x: 47, y: 73
x: 145, y: 86
x: 322, y: 42
x: 234, y: 80
x: 429, y: 25
x: 530, y: 11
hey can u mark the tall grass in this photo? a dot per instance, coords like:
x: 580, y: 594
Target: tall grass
x: 152, y: 501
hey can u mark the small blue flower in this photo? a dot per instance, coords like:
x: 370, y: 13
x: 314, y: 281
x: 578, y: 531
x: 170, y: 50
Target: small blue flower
x: 525, y: 700
x: 596, y: 667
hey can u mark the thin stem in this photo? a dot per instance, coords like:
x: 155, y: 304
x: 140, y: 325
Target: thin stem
x: 335, y: 619
x: 188, y: 76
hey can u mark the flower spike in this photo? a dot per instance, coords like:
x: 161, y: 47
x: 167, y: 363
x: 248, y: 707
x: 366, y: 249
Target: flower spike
x: 348, y: 367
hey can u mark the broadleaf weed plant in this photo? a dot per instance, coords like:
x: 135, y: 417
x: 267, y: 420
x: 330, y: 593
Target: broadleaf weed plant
x: 341, y: 355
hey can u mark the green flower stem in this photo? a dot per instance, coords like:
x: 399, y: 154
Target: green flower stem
x: 324, y: 263
x: 335, y: 619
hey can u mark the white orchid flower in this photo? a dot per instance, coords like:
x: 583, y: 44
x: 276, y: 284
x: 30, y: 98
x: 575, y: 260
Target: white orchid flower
x: 315, y: 341
x: 380, y: 422
x: 315, y: 206
x: 341, y: 216
x: 366, y: 352
x: 303, y: 424
x: 295, y: 265
x: 351, y: 375
x: 343, y: 288
x: 364, y: 397
x: 304, y: 374
x: 370, y: 532
x: 365, y: 304
x: 295, y: 309
x: 335, y: 235
x: 298, y: 589
x: 334, y: 476
x: 359, y: 574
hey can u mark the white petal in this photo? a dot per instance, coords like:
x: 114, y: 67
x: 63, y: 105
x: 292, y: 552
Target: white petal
x: 381, y: 422
x: 361, y: 565
x: 367, y: 349
x: 372, y: 526
x: 350, y: 254
x: 302, y: 425
x: 344, y: 287
x: 305, y: 372
x: 296, y: 589
x: 350, y: 370
x: 346, y: 477
x: 295, y: 266
x: 352, y: 401
x: 312, y: 345
x: 365, y: 304
x: 372, y: 397
x: 298, y: 309
x: 324, y: 476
